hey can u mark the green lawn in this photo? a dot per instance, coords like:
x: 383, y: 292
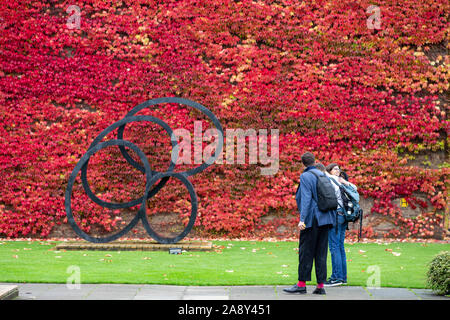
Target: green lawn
x: 233, y: 263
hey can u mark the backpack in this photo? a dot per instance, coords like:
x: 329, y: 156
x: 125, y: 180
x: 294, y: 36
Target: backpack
x: 352, y: 209
x: 326, y: 197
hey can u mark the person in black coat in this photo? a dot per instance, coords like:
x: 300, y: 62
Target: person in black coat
x: 314, y: 225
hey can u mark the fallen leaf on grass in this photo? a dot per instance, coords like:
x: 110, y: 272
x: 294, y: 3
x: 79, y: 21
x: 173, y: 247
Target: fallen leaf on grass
x: 146, y: 258
x: 15, y: 256
x: 229, y: 271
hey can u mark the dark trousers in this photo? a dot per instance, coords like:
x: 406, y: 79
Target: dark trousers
x: 313, y: 246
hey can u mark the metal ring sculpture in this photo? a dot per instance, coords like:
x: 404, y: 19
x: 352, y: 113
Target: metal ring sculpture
x: 151, y: 176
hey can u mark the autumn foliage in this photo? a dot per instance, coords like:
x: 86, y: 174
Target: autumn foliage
x: 367, y: 99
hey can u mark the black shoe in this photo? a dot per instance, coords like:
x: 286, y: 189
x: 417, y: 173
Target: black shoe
x: 333, y: 283
x: 295, y: 289
x: 319, y: 291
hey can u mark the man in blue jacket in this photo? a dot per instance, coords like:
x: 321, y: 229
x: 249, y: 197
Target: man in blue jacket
x: 314, y: 225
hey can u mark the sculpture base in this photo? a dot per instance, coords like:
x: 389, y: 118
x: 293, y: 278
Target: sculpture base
x: 131, y: 245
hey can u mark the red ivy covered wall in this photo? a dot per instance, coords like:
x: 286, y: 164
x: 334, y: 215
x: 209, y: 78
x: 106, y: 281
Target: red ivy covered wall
x: 366, y: 99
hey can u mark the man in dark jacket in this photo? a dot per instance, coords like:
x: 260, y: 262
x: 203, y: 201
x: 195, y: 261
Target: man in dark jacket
x: 314, y: 225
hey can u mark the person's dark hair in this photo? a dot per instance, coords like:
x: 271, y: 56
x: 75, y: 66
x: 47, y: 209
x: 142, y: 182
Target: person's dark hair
x: 308, y: 159
x: 344, y: 175
x: 331, y: 166
x: 320, y: 166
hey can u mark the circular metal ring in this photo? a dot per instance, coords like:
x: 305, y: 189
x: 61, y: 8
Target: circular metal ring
x: 182, y: 101
x: 194, y: 208
x: 103, y: 134
x: 74, y: 174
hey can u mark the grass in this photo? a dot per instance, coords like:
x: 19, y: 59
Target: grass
x: 232, y: 263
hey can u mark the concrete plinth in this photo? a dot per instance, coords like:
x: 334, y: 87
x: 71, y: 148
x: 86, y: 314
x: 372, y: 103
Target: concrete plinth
x: 136, y: 246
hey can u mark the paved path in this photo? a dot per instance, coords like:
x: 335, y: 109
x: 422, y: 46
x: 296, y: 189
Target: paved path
x: 48, y: 291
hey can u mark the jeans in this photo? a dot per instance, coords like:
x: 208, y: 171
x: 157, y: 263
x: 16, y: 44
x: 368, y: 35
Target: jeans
x: 337, y: 250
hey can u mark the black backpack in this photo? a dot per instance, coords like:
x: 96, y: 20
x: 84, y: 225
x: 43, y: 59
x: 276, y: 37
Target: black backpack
x: 326, y: 197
